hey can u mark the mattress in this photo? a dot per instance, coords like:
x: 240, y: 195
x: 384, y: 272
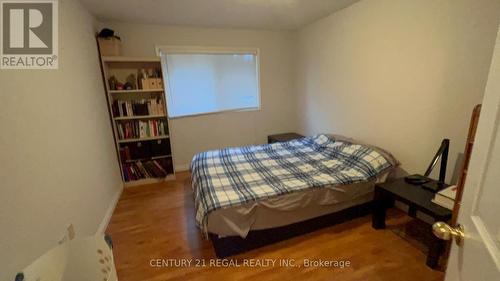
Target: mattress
x: 289, y: 208
x: 241, y: 176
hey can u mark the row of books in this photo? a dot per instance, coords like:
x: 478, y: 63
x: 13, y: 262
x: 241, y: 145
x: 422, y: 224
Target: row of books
x: 128, y: 108
x: 147, y: 169
x: 136, y: 129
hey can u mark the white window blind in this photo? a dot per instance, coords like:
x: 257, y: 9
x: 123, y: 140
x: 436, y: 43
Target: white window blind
x: 202, y: 82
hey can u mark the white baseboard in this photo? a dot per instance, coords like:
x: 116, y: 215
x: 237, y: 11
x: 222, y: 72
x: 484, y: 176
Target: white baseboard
x: 182, y: 167
x: 109, y: 213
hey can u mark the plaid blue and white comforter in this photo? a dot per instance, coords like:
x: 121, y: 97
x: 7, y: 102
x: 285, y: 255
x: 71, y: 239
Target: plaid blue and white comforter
x: 234, y: 176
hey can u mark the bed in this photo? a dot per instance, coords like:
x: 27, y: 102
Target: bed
x: 247, y: 197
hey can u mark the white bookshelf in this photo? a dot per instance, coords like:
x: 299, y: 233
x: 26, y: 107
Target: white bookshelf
x: 125, y: 59
x: 148, y: 181
x: 120, y: 67
x: 154, y: 157
x: 136, y: 91
x: 142, y: 139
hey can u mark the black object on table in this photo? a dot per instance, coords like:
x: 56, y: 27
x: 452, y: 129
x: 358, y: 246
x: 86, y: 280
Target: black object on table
x: 283, y: 137
x: 418, y: 199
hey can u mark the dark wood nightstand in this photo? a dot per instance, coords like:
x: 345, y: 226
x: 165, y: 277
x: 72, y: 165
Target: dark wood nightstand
x: 418, y: 199
x: 283, y: 137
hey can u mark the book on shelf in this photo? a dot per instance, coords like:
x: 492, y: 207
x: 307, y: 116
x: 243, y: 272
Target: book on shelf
x: 137, y: 170
x: 446, y: 197
x: 125, y: 154
x: 137, y: 129
x: 143, y: 107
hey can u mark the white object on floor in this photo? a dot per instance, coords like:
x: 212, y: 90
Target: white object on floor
x: 86, y: 259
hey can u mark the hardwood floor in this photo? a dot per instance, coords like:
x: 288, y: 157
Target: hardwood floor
x: 157, y: 222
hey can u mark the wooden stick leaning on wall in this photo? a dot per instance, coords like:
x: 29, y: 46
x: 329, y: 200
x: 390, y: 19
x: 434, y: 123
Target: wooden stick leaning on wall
x: 463, y: 171
x: 465, y: 166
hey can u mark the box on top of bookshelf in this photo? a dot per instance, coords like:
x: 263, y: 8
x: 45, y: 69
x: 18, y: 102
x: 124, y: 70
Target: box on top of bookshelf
x: 136, y: 100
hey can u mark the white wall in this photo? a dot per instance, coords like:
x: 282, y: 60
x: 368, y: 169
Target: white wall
x: 57, y: 158
x: 399, y: 74
x: 196, y: 134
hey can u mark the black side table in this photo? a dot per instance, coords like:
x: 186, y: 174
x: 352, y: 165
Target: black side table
x: 418, y: 199
x: 283, y: 137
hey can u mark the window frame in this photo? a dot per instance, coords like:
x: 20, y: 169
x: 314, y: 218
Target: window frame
x: 184, y: 49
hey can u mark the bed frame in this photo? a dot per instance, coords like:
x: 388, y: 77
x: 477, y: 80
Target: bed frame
x: 232, y: 245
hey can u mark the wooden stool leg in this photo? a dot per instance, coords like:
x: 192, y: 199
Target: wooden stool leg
x: 436, y: 247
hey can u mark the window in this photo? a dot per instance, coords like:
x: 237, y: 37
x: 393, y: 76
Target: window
x: 200, y: 81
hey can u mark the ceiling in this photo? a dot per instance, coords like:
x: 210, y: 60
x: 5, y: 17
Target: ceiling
x: 253, y: 14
